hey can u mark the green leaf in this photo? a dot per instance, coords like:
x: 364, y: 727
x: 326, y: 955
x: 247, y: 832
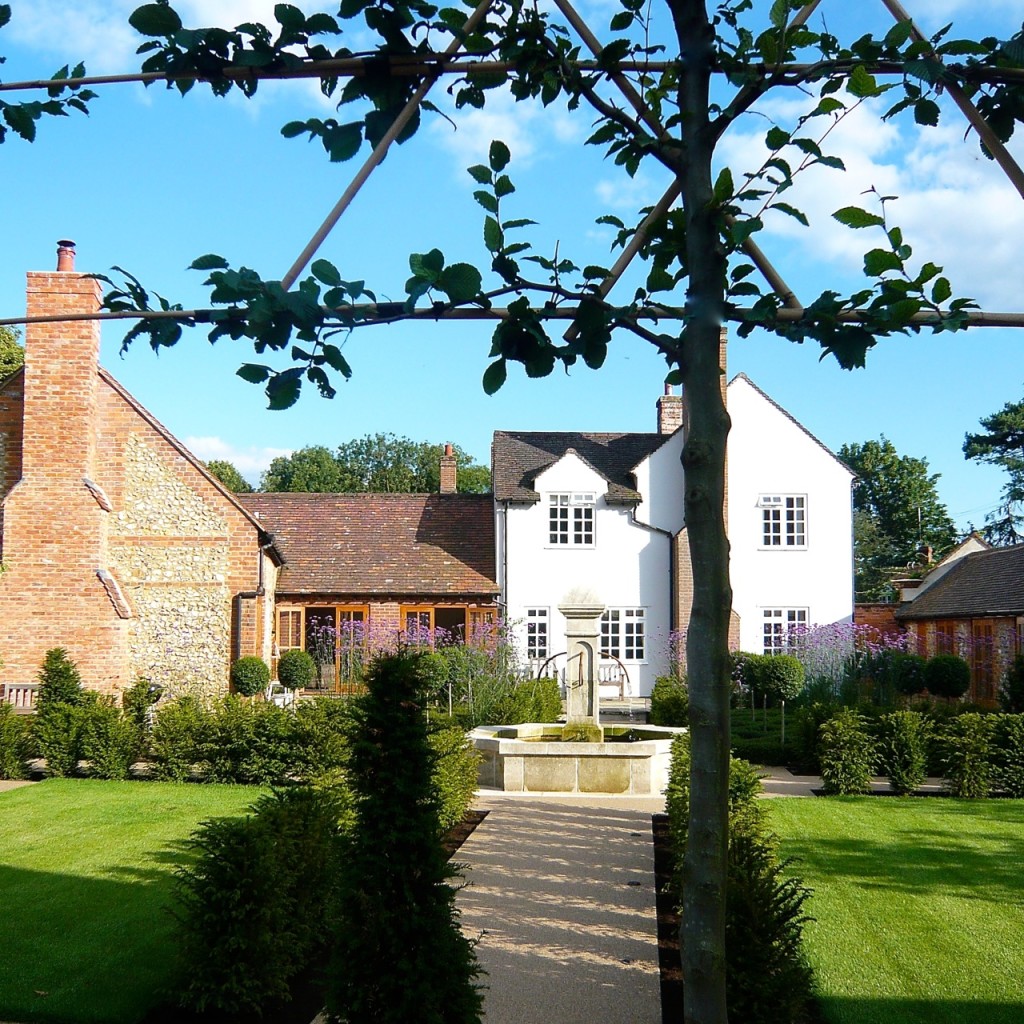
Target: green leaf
x: 855, y: 217
x: 622, y: 21
x: 899, y: 34
x: 779, y: 13
x: 18, y: 116
x: 743, y: 229
x: 503, y: 186
x: 492, y: 235
x: 861, y: 83
x: 427, y: 266
x: 777, y: 137
x: 461, y: 282
x: 926, y: 112
x: 155, y: 20
x: 494, y: 376
x: 283, y: 390
x: 941, y: 291
x: 327, y: 272
x: 499, y: 156
x: 724, y: 186
x: 253, y: 373
x: 293, y: 129
x: 480, y: 174
x: 486, y: 200
x: 5, y: 14
x: 290, y: 18
x: 791, y: 211
x: 878, y: 261
x: 209, y: 262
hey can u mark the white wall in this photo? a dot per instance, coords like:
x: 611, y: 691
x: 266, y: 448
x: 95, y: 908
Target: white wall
x: 659, y: 479
x: 770, y: 454
x: 626, y: 567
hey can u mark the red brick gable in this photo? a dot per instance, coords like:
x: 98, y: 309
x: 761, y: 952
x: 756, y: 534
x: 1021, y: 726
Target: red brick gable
x: 397, y: 544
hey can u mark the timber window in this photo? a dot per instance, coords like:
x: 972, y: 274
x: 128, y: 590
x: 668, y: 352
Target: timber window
x: 334, y: 635
x: 571, y: 519
x: 783, y: 520
x: 623, y: 633
x: 781, y: 625
x: 537, y: 633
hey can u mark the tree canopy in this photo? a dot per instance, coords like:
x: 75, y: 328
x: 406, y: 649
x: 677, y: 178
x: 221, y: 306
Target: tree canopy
x: 227, y: 473
x: 12, y: 354
x: 1001, y: 443
x: 897, y: 513
x: 377, y: 462
x: 663, y: 87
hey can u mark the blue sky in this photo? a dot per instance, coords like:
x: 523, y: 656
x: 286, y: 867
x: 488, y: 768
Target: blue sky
x: 150, y: 181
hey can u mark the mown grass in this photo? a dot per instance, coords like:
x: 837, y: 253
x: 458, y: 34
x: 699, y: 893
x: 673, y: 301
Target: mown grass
x: 85, y: 881
x: 919, y: 906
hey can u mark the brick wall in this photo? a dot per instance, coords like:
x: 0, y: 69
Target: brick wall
x: 118, y: 547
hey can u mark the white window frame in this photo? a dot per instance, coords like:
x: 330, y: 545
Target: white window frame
x: 783, y: 522
x: 538, y: 633
x: 777, y: 626
x: 624, y: 634
x: 572, y: 519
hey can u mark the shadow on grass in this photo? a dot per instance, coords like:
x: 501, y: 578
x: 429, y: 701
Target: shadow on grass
x: 967, y: 852
x: 84, y: 950
x: 918, y: 1011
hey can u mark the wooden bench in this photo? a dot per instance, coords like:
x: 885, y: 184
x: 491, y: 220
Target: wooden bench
x: 21, y: 695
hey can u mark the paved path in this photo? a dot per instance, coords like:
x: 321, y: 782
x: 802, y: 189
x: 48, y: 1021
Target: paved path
x: 561, y: 895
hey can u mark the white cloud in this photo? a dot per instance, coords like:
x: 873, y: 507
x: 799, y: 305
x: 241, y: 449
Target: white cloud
x: 250, y: 461
x: 631, y: 194
x: 955, y: 207
x: 95, y: 31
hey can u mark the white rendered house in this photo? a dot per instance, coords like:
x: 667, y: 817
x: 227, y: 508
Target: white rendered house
x: 603, y: 513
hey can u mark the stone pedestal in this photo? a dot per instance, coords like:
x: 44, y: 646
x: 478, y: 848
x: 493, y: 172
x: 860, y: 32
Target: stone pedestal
x: 583, y: 645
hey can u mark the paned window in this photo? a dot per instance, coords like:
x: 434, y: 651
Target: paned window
x: 783, y: 520
x: 779, y: 625
x: 571, y: 519
x: 983, y: 660
x: 622, y: 633
x: 536, y: 633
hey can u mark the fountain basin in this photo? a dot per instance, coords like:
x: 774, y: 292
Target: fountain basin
x: 532, y: 758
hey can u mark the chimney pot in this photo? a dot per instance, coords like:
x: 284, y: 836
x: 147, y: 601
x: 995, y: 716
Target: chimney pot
x: 65, y: 255
x: 449, y: 471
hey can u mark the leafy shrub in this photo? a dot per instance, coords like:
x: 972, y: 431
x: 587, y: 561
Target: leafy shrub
x: 59, y: 681
x: 1011, y: 693
x: 399, y: 954
x: 250, y: 675
x: 670, y: 701
x: 177, y: 739
x: 1008, y: 754
x: 966, y: 744
x: 137, y: 702
x: 907, y: 672
x: 296, y: 670
x: 252, y: 908
x: 108, y: 739
x: 454, y: 771
x: 58, y: 737
x: 947, y: 675
x: 768, y: 980
x: 322, y: 728
x: 846, y: 753
x: 547, y: 699
x: 253, y: 744
x: 903, y: 749
x: 780, y: 676
x: 14, y: 743
x: 809, y: 721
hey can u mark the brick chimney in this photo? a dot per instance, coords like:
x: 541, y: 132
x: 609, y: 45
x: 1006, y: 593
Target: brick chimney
x: 449, y: 471
x: 55, y: 529
x: 670, y: 412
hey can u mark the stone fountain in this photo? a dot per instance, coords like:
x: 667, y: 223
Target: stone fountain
x: 534, y: 757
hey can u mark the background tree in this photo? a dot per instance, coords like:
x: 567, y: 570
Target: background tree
x: 227, y: 473
x: 897, y: 512
x: 1002, y: 444
x: 381, y: 463
x: 12, y: 354
x: 697, y: 241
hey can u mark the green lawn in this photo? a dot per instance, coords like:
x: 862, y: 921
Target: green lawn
x: 85, y: 872
x: 919, y: 906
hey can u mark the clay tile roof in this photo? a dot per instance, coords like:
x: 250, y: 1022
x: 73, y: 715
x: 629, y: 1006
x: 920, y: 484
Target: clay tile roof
x: 411, y: 544
x: 981, y: 583
x: 519, y: 456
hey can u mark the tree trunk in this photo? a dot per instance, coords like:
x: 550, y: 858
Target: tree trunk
x: 707, y: 649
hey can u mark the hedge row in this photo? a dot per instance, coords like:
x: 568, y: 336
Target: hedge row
x: 976, y: 754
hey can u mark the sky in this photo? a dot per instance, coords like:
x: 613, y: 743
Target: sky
x: 151, y: 180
